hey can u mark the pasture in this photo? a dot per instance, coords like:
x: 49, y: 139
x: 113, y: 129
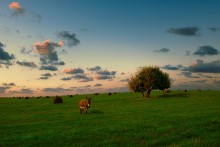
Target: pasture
x: 124, y: 119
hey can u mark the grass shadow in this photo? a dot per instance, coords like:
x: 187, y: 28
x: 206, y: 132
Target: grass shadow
x: 96, y: 111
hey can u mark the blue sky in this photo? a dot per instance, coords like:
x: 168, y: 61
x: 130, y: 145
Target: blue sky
x: 82, y: 46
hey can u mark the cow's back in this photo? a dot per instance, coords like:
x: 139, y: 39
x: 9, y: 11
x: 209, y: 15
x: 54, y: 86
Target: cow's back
x: 83, y: 104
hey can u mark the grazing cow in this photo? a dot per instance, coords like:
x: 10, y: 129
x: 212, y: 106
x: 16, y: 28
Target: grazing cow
x: 84, y: 105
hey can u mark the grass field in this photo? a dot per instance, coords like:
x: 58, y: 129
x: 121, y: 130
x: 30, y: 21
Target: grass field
x: 122, y: 119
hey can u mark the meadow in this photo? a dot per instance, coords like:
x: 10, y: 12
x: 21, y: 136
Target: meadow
x: 124, y: 119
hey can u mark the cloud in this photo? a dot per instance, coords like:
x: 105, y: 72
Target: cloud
x: 3, y: 89
x: 59, y: 63
x: 87, y: 86
x: 170, y: 67
x: 5, y: 57
x: 106, y: 72
x: 17, y: 9
x: 186, y: 31
x: 27, y: 64
x: 8, y: 84
x: 98, y: 85
x: 214, y: 29
x: 163, y: 50
x: 46, y: 75
x: 24, y: 51
x: 56, y: 90
x: 124, y: 80
x: 96, y: 68
x: 44, y: 78
x: 206, y: 50
x: 122, y: 73
x: 23, y: 91
x: 202, y: 67
x: 47, y: 50
x: 48, y: 54
x: 66, y: 79
x: 74, y: 71
x: 69, y: 38
x: 105, y: 75
x: 189, y: 74
x: 187, y: 53
x: 118, y: 89
x: 82, y: 78
x: 49, y: 67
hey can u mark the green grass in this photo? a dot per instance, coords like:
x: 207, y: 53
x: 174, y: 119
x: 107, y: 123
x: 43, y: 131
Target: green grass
x: 123, y: 119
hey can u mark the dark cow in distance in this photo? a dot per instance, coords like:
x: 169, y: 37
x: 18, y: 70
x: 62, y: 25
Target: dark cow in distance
x: 84, y: 105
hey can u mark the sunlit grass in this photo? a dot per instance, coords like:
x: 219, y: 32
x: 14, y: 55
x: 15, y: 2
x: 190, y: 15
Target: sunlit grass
x: 123, y: 119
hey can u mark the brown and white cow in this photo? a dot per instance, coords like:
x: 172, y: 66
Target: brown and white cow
x: 84, y: 105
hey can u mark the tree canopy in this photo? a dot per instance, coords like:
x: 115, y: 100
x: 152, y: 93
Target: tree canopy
x: 148, y: 78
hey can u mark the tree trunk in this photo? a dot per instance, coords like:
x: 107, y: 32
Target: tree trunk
x: 148, y: 93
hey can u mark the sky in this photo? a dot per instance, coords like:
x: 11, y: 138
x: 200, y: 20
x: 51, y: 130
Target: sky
x: 56, y: 47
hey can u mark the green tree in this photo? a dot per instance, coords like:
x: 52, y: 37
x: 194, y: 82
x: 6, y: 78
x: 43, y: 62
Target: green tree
x: 147, y: 79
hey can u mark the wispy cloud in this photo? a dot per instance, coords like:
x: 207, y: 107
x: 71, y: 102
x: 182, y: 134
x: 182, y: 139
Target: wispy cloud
x: 105, y: 75
x: 25, y: 51
x: 82, y: 78
x: 66, y: 79
x: 163, y: 50
x: 124, y: 80
x: 45, y: 76
x: 17, y: 10
x: 185, y: 31
x: 206, y: 50
x: 189, y: 74
x: 71, y: 39
x: 74, y: 71
x: 96, y: 68
x: 56, y: 90
x: 23, y: 91
x: 187, y: 53
x: 49, y: 67
x: 214, y: 29
x: 27, y: 64
x: 98, y: 85
x: 170, y: 67
x: 3, y: 89
x: 8, y: 84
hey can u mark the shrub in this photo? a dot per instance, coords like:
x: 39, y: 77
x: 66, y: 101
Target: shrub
x: 96, y: 93
x: 57, y: 100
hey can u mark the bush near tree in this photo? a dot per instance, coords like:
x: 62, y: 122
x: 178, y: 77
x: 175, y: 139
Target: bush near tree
x: 147, y: 79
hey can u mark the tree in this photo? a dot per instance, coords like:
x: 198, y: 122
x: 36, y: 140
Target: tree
x: 147, y: 79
